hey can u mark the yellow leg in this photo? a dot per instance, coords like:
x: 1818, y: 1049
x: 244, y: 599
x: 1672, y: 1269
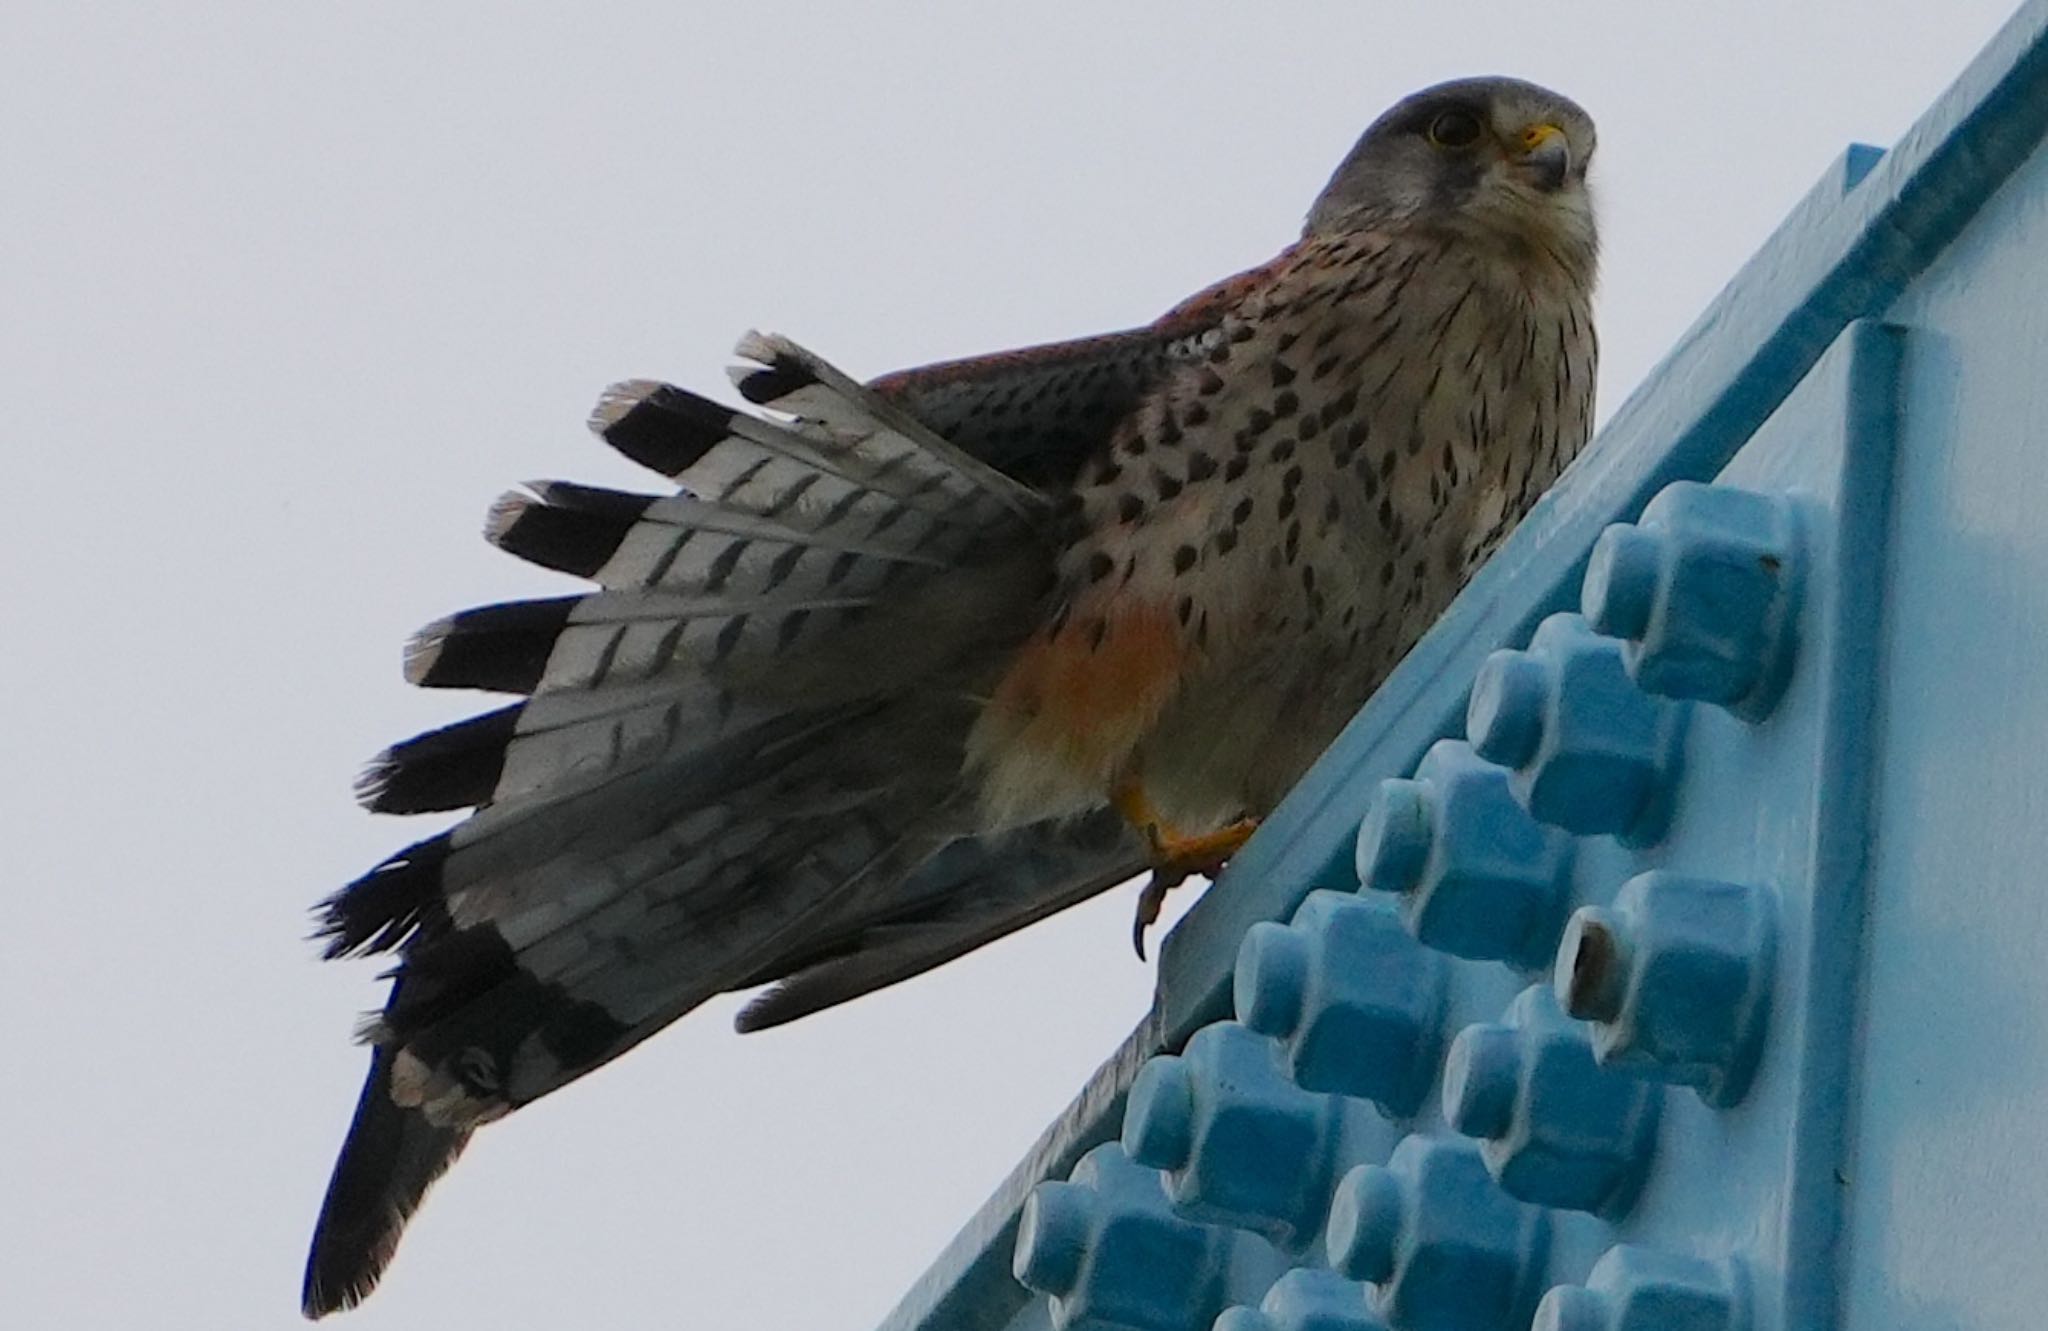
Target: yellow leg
x: 1206, y: 852
x: 1175, y: 855
x: 1130, y: 800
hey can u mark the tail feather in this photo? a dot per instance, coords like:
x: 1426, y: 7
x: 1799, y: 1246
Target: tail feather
x: 968, y: 895
x: 389, y: 1160
x: 688, y: 545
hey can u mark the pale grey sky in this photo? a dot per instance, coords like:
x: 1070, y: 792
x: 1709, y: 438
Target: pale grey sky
x: 291, y: 291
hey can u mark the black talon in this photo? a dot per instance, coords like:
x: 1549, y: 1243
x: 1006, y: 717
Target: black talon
x: 1150, y: 901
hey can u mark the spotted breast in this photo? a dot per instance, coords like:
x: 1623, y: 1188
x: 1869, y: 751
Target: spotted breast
x: 1269, y: 533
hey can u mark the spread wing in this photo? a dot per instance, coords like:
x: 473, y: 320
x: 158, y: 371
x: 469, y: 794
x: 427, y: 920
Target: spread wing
x: 735, y: 762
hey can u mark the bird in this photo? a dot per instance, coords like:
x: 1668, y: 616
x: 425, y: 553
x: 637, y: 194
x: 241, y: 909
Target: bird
x: 889, y: 670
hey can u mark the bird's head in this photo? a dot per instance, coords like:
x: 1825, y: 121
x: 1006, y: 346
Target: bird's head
x: 1492, y: 159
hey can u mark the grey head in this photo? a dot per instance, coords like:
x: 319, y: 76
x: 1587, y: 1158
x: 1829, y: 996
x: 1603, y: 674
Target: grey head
x: 1496, y: 157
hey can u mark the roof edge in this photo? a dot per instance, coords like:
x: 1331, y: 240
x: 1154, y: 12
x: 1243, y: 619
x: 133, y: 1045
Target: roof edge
x: 1873, y: 222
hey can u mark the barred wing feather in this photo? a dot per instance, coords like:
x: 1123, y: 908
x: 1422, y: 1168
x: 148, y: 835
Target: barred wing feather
x: 734, y: 762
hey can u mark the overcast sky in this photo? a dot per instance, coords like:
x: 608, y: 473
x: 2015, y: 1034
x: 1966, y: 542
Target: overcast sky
x: 290, y: 291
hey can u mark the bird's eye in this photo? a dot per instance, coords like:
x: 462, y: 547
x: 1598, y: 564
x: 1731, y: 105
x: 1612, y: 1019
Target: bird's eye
x: 1454, y: 129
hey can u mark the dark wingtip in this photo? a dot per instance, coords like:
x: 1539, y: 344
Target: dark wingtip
x: 764, y: 1011
x: 387, y: 905
x: 777, y: 380
x: 455, y: 767
x: 390, y: 1159
x: 571, y: 529
x: 501, y: 648
x: 661, y: 427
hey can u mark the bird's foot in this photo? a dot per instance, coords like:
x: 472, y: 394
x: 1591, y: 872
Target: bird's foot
x: 1175, y: 859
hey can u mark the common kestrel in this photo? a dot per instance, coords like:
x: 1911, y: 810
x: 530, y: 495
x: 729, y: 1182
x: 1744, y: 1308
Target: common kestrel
x: 903, y: 667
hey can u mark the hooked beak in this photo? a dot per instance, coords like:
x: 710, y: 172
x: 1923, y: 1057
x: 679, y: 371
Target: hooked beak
x: 1543, y: 156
